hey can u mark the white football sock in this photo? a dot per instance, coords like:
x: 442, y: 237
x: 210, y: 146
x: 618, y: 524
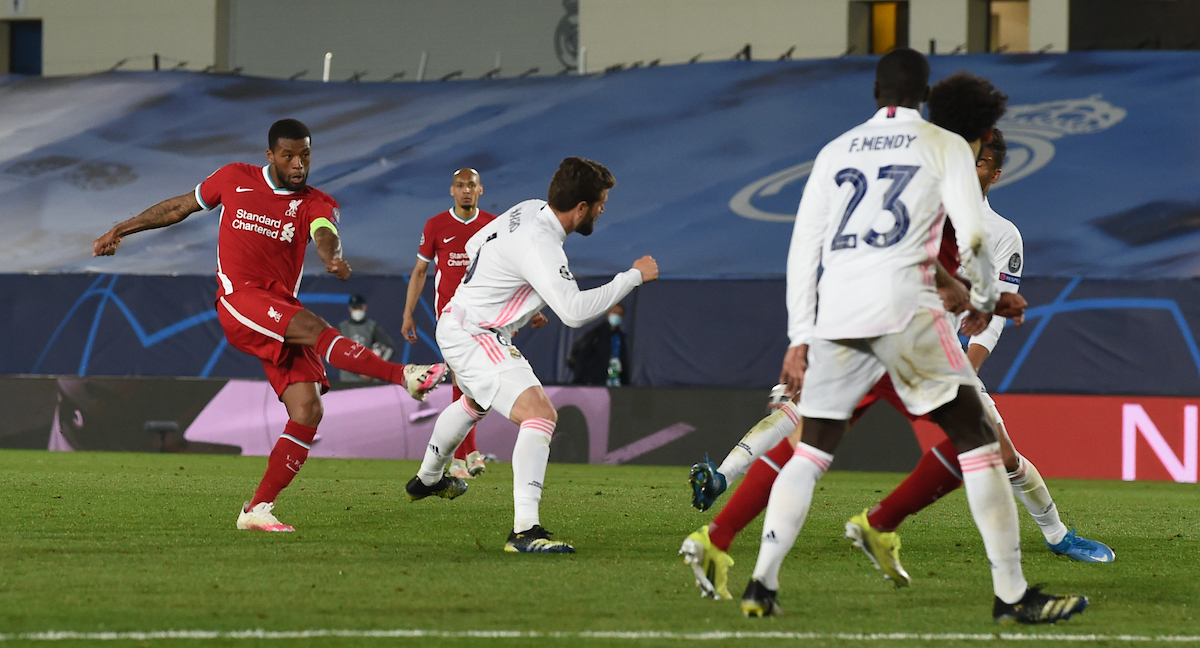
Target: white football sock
x: 996, y: 517
x: 762, y: 437
x: 529, y: 458
x: 1027, y: 482
x: 1030, y: 488
x: 450, y: 429
x: 791, y: 497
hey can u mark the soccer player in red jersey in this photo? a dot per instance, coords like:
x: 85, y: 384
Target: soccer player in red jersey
x: 268, y: 215
x: 443, y: 243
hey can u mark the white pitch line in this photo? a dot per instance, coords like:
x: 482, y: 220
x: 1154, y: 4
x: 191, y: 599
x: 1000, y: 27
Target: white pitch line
x: 53, y: 635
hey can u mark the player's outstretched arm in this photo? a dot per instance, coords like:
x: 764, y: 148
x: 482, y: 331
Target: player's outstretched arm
x: 167, y: 212
x: 416, y: 283
x: 329, y: 248
x: 546, y: 270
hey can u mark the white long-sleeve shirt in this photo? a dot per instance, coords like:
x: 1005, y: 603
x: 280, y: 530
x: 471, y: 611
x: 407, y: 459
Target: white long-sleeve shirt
x: 1008, y: 258
x: 517, y: 266
x: 870, y: 216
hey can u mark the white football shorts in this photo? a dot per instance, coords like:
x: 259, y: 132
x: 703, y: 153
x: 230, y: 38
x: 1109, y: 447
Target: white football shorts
x: 488, y: 368
x: 925, y: 360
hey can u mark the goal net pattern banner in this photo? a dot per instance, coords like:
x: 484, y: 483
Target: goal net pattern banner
x: 1103, y: 176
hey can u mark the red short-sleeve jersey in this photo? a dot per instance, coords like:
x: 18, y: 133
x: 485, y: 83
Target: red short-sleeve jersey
x: 264, y: 230
x: 948, y: 253
x: 443, y: 243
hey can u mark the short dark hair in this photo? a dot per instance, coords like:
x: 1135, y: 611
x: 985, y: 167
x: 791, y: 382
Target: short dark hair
x: 966, y: 104
x: 292, y: 129
x: 578, y: 180
x: 902, y: 74
x: 999, y: 149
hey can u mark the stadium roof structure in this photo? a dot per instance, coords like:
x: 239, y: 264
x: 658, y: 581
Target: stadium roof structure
x: 1103, y: 176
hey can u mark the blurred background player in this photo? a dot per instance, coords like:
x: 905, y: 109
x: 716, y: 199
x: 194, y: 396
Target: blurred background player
x: 443, y: 243
x: 601, y: 355
x: 880, y: 314
x: 268, y: 215
x: 518, y: 266
x: 367, y: 332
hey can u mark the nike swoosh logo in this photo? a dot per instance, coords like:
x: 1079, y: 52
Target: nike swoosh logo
x: 447, y: 240
x: 243, y: 189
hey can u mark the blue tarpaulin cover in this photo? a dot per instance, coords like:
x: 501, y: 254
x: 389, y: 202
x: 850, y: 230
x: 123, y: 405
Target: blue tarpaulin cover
x: 1103, y: 177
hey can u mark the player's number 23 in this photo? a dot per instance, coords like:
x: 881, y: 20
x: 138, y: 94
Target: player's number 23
x: 900, y: 175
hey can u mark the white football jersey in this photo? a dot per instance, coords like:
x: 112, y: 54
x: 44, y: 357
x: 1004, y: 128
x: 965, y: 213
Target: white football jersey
x: 517, y: 266
x: 1008, y: 259
x: 870, y: 218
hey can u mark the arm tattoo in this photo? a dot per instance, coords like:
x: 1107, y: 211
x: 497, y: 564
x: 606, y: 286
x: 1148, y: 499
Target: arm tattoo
x: 167, y: 212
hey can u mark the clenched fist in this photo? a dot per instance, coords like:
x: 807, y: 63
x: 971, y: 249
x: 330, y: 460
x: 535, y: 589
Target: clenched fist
x: 648, y: 267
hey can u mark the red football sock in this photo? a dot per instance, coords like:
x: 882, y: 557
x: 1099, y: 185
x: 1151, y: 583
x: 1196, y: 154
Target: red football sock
x: 927, y: 483
x: 348, y: 355
x: 467, y: 446
x: 468, y: 443
x: 288, y: 455
x: 750, y: 498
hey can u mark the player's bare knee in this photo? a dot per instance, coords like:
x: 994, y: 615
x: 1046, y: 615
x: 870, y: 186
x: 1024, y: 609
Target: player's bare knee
x: 303, y: 403
x: 822, y: 434
x: 307, y: 413
x: 544, y: 410
x: 1008, y: 454
x: 963, y: 421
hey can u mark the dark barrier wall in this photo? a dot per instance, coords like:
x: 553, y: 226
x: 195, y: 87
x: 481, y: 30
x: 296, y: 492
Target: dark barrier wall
x: 1127, y: 437
x: 667, y: 426
x: 1081, y: 337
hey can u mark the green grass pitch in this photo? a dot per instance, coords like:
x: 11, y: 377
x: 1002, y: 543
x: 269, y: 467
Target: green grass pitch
x: 106, y: 542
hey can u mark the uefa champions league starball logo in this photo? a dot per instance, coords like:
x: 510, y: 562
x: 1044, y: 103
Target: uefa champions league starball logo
x: 1029, y: 130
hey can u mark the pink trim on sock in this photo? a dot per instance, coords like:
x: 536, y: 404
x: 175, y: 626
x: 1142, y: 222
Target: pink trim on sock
x: 791, y: 413
x: 803, y: 451
x: 539, y: 424
x: 984, y: 461
x: 477, y: 416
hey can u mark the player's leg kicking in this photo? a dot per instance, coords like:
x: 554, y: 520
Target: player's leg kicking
x: 291, y: 341
x: 938, y: 473
x: 467, y: 462
x: 928, y: 379
x: 873, y: 531
x: 491, y: 378
x: 706, y: 550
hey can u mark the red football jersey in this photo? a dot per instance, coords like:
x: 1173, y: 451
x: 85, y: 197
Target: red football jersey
x: 264, y: 230
x: 443, y: 243
x: 948, y: 253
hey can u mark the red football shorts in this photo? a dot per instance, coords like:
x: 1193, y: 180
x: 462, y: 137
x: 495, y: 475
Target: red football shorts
x: 255, y: 321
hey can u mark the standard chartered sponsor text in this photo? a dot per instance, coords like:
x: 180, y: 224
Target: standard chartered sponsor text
x: 256, y: 223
